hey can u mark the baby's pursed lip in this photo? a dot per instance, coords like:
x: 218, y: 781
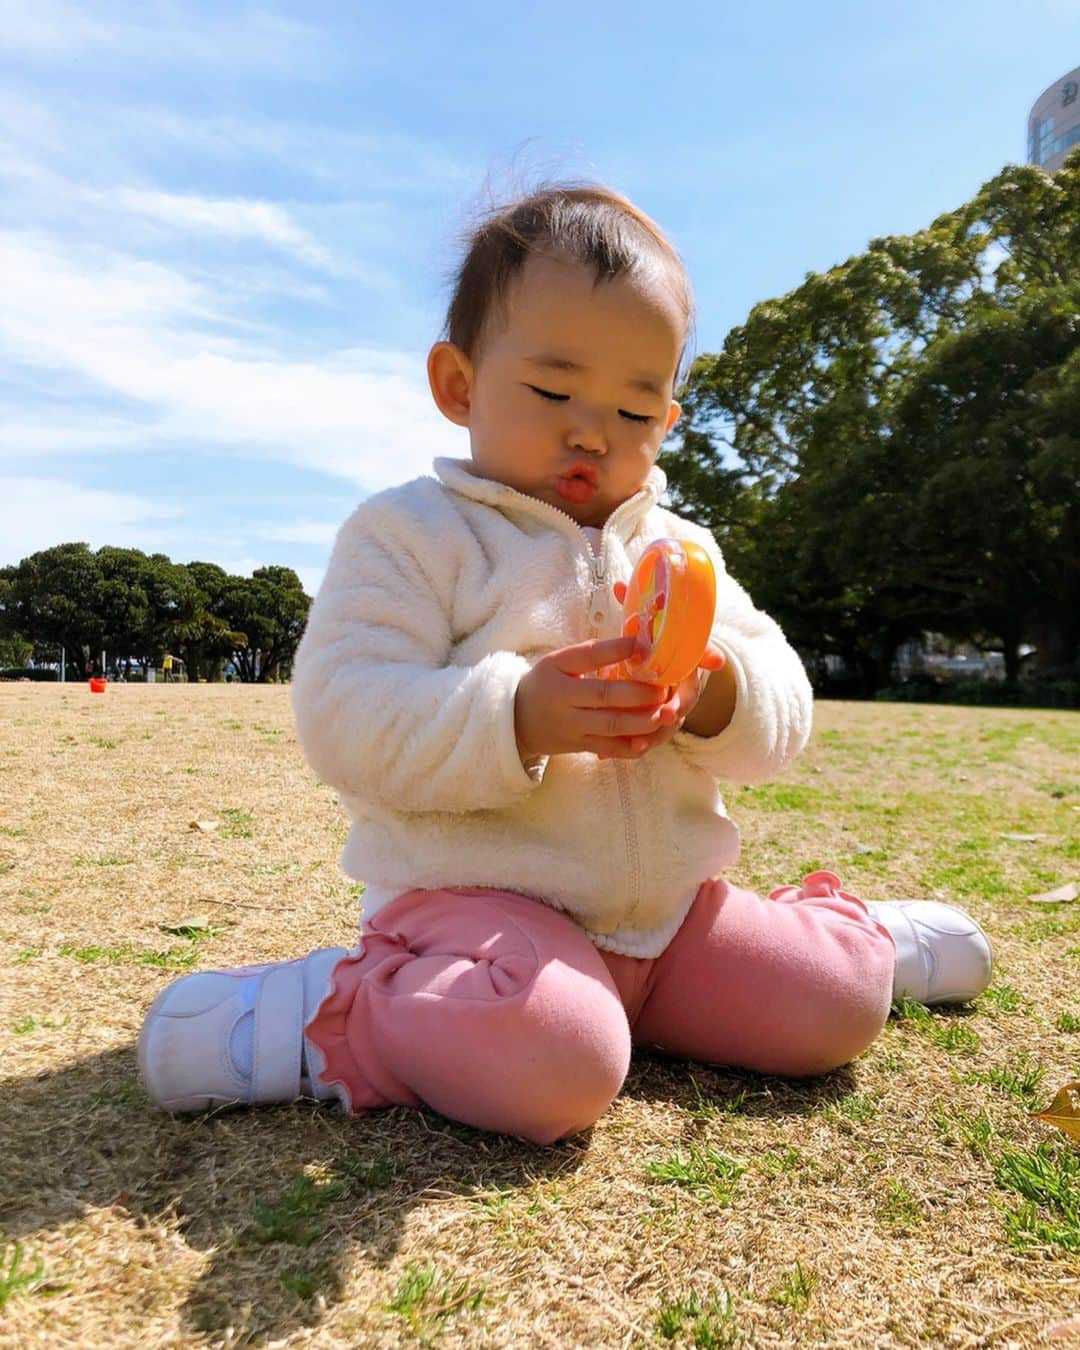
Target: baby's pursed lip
x: 580, y: 468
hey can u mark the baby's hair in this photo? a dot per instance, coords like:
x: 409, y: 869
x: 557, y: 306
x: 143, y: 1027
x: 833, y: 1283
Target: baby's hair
x: 587, y: 222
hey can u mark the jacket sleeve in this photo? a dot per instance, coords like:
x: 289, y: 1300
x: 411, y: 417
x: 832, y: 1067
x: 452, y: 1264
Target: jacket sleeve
x: 774, y: 702
x: 381, y: 713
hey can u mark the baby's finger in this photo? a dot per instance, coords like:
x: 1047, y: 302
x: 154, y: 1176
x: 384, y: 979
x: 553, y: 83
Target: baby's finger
x: 617, y: 694
x: 611, y: 723
x: 618, y: 747
x: 714, y: 659
x: 586, y: 657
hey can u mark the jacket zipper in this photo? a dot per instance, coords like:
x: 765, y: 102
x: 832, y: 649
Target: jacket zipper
x: 622, y: 778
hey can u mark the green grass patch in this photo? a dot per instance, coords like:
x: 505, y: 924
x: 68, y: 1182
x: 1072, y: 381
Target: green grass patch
x: 783, y: 796
x: 708, y: 1108
x: 1067, y: 1021
x: 122, y: 1092
x: 852, y: 1106
x: 703, y: 1171
x: 978, y: 877
x: 1003, y: 998
x: 794, y: 1288
x: 25, y: 1025
x: 237, y: 823
x: 15, y: 1278
x: 295, y: 1216
x: 700, y: 1320
x: 1020, y: 1079
x: 948, y: 1031
x: 425, y: 1298
x: 1048, y: 1177
x: 126, y: 954
x: 105, y: 860
x: 775, y: 1161
x: 900, y: 1207
x: 975, y: 1132
x: 1043, y: 926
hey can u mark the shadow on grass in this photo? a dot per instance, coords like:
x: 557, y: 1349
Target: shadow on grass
x: 282, y: 1197
x: 706, y: 1088
x: 285, y: 1197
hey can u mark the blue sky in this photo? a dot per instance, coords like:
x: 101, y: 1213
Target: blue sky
x: 226, y: 229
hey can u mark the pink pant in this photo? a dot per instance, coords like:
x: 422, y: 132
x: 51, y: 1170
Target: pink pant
x: 499, y: 1012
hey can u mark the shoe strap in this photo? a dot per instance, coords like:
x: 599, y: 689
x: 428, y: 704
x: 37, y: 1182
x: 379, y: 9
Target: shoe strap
x: 279, y: 1021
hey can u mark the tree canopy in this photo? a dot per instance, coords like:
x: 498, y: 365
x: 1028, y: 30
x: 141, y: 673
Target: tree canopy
x: 894, y: 445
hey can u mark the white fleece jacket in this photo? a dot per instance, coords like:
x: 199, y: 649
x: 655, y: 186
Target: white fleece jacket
x: 439, y: 596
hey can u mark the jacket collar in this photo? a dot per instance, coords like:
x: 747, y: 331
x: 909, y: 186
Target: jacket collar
x: 460, y: 476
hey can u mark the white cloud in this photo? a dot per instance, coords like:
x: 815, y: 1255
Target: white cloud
x: 145, y: 333
x: 40, y: 512
x: 236, y: 217
x: 163, y: 34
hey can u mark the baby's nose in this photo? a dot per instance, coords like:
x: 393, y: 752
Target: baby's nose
x: 589, y: 436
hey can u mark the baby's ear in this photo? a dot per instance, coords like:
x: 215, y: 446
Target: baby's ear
x: 673, y: 416
x: 450, y: 375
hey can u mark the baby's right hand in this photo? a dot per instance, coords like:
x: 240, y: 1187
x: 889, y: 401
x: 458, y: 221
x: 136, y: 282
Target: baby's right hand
x: 560, y: 710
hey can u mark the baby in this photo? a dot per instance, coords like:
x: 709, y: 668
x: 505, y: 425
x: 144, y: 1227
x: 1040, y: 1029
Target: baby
x: 542, y: 846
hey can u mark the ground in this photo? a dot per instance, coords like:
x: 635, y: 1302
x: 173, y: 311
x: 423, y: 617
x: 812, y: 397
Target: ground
x: 908, y: 1199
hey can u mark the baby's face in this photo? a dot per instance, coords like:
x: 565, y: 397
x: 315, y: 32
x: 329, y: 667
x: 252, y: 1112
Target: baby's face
x: 571, y: 396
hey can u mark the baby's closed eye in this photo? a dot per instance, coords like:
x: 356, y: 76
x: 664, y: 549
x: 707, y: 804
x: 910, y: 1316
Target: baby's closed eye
x: 563, y: 398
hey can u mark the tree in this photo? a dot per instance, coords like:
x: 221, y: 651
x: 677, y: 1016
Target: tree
x: 270, y: 609
x: 15, y: 651
x: 197, y: 628
x: 54, y: 598
x: 890, y: 446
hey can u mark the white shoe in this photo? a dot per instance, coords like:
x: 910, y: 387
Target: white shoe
x: 235, y: 1037
x: 942, y: 955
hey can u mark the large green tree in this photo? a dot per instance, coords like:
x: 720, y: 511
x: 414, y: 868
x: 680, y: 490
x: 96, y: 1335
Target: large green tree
x: 890, y: 447
x: 54, y: 599
x: 197, y: 630
x: 271, y: 609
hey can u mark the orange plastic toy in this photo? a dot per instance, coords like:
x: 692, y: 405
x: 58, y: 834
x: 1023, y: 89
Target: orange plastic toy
x: 670, y: 602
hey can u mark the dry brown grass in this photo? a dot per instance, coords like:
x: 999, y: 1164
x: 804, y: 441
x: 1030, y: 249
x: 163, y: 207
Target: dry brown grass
x: 300, y: 1225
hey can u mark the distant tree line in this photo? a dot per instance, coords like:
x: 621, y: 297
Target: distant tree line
x: 137, y: 607
x: 893, y: 447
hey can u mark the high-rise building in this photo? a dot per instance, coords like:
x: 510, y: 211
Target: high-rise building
x: 1054, y: 123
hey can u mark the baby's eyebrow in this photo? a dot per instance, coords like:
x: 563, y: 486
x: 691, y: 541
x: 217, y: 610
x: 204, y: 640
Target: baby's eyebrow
x: 646, y: 383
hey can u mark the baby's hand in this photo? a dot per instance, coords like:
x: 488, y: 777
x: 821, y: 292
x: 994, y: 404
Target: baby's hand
x: 564, y: 708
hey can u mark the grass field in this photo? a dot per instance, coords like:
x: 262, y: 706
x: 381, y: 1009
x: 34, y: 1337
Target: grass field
x: 909, y: 1199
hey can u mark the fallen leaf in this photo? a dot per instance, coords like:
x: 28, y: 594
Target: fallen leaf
x: 206, y: 826
x: 182, y: 927
x: 1060, y: 895
x: 1064, y: 1111
x: 1022, y: 838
